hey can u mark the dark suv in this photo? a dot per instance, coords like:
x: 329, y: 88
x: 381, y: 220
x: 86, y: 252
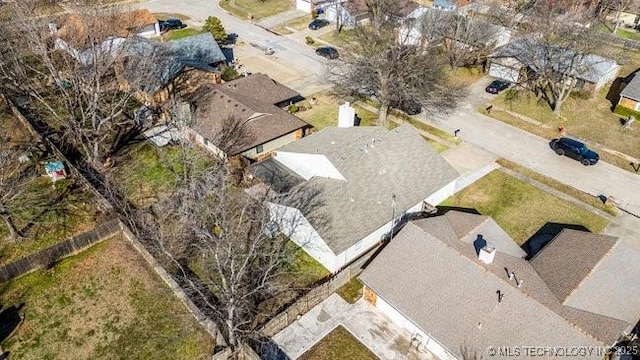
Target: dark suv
x: 576, y: 150
x: 170, y: 24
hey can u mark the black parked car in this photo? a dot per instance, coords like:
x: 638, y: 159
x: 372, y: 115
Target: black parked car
x: 497, y: 86
x: 317, y: 24
x: 576, y: 150
x: 327, y: 52
x: 171, y: 24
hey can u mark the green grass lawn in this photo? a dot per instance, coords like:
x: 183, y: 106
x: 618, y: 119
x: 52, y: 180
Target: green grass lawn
x: 325, y: 112
x: 180, y: 33
x: 255, y: 8
x: 519, y: 208
x: 337, y: 345
x: 627, y: 34
x: 582, y: 196
x: 351, y: 291
x: 165, y: 16
x: 304, y: 269
x: 105, y: 303
x: 340, y: 39
x: 464, y: 77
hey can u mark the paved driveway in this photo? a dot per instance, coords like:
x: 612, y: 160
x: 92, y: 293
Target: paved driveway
x: 292, y: 54
x: 373, y: 329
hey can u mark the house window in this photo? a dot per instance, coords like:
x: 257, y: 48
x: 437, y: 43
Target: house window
x: 259, y: 149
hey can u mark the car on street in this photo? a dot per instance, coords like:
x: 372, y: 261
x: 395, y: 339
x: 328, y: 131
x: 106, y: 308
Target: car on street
x: 170, y: 24
x: 327, y: 52
x: 317, y: 24
x: 575, y: 150
x: 497, y: 86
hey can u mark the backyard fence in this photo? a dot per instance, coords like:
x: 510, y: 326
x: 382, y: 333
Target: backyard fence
x: 309, y: 300
x: 627, y: 44
x: 51, y: 255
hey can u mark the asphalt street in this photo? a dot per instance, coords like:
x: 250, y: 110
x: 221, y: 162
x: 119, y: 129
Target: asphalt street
x: 290, y: 52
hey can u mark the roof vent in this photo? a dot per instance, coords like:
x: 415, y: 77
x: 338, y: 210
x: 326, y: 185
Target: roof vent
x: 487, y: 254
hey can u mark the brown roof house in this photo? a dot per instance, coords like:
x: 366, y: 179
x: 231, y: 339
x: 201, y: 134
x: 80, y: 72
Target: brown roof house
x: 364, y: 182
x: 244, y: 117
x: 461, y: 286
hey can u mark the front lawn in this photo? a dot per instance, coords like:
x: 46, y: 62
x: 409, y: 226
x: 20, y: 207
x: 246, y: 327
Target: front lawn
x: 519, y: 208
x: 105, y: 303
x: 325, y: 112
x: 180, y: 33
x: 340, y: 39
x: 337, y: 345
x: 257, y: 9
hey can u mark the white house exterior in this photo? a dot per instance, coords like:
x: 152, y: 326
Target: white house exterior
x: 367, y: 180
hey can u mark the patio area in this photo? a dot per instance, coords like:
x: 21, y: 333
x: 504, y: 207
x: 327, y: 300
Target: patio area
x: 384, y: 338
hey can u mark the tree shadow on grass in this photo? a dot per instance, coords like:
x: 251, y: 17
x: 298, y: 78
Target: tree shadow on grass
x: 545, y: 235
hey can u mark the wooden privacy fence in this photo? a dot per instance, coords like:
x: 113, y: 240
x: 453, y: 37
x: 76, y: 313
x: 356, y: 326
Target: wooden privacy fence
x: 49, y: 256
x: 314, y: 297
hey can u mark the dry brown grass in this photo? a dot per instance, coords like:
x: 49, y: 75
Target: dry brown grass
x: 105, y: 303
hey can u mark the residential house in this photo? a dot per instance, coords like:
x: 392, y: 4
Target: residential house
x: 630, y: 95
x: 75, y: 30
x: 629, y: 16
x: 441, y: 29
x: 244, y: 117
x: 158, y: 71
x: 521, y: 58
x: 461, y: 286
x: 349, y: 12
x: 362, y: 182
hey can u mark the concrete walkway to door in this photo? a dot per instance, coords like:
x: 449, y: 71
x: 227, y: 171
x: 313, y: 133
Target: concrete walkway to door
x: 372, y: 328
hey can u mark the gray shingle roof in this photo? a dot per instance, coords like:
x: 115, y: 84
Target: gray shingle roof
x: 448, y: 295
x: 530, y: 52
x: 167, y: 60
x: 632, y: 90
x: 569, y: 258
x: 376, y: 164
x: 439, y: 285
x: 261, y: 121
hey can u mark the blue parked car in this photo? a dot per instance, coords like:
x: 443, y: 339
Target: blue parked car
x: 575, y: 150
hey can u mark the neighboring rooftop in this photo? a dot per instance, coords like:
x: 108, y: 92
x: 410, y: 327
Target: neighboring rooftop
x: 439, y: 284
x: 262, y: 88
x: 166, y: 60
x: 378, y: 165
x: 528, y: 51
x: 632, y: 89
x: 220, y: 108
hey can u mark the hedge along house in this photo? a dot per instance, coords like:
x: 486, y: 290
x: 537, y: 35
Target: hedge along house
x: 364, y: 182
x: 460, y: 285
x: 244, y: 117
x: 630, y: 95
x: 520, y: 59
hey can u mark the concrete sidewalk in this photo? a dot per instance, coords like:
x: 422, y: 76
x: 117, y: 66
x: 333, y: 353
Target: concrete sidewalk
x: 373, y: 329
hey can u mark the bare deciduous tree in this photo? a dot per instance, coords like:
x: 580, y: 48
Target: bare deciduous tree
x: 397, y: 75
x: 618, y: 6
x: 222, y: 246
x: 71, y: 73
x: 558, y: 48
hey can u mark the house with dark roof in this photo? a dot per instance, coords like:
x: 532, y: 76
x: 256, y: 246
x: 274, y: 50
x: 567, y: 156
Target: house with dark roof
x: 158, y: 71
x: 630, y: 94
x: 364, y: 181
x: 244, y: 117
x: 525, y: 56
x: 461, y: 286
